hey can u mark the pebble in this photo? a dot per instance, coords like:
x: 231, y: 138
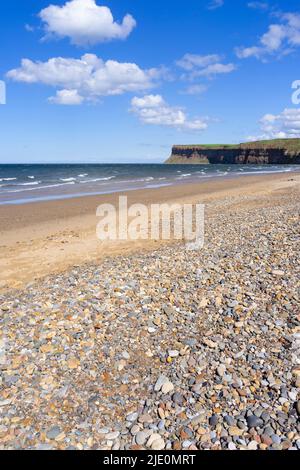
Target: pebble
x: 178, y: 398
x: 277, y: 272
x: 142, y: 436
x: 231, y: 446
x: 229, y: 420
x: 213, y: 421
x: 154, y: 437
x: 53, y: 432
x: 135, y: 429
x: 235, y: 431
x: 167, y: 387
x: 146, y: 353
x: 221, y: 370
x: 209, y: 343
x: 253, y: 421
x: 275, y: 439
x: 173, y: 353
x: 132, y: 417
x: 162, y: 379
x: 159, y: 444
x: 266, y: 439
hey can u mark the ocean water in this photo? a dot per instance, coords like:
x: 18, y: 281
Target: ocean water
x: 20, y: 184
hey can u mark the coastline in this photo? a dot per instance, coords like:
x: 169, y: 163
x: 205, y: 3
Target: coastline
x: 42, y: 238
x: 25, y: 184
x: 158, y: 349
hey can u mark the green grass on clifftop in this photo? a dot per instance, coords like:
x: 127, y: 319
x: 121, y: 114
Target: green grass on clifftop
x: 292, y: 145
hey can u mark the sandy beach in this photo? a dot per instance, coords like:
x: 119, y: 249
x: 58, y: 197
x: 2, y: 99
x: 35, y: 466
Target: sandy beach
x: 38, y: 239
x: 149, y: 346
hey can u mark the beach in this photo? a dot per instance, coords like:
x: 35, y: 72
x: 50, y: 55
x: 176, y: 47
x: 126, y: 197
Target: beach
x: 41, y: 238
x: 143, y: 344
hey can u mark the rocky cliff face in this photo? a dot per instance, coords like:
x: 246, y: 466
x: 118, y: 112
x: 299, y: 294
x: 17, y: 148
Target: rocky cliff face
x: 238, y: 154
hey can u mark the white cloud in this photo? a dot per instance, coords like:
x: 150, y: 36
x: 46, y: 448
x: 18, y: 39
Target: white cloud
x: 215, y: 69
x: 203, y: 66
x: 280, y: 39
x: 192, y: 61
x: 214, y: 4
x: 280, y: 126
x: 195, y: 89
x: 84, y: 22
x: 89, y: 76
x: 67, y: 97
x: 258, y: 5
x: 152, y: 109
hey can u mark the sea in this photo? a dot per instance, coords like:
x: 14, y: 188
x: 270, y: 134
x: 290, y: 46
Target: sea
x: 21, y: 184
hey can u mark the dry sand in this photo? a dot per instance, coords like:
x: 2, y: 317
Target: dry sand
x: 42, y: 238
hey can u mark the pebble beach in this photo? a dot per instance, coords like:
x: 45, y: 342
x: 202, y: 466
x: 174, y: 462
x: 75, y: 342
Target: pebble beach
x: 164, y: 349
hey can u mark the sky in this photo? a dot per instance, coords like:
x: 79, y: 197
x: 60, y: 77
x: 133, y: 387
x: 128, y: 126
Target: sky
x: 113, y: 81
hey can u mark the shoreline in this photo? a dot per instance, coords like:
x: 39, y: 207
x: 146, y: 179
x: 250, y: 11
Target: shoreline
x: 43, y: 238
x: 40, y: 195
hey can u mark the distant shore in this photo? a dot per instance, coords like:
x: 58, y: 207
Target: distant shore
x: 38, y: 239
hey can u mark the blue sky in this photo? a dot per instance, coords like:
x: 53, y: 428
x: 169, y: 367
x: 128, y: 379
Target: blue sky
x: 125, y: 82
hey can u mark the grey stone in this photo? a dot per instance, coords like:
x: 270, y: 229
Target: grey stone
x: 254, y: 422
x: 53, y: 432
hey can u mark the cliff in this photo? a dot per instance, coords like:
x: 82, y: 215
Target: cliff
x: 276, y: 152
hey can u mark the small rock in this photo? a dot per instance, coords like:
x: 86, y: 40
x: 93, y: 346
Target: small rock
x: 151, y: 329
x: 53, y: 432
x: 229, y: 420
x: 132, y: 417
x: 167, y: 387
x: 277, y: 272
x: 178, y: 398
x: 208, y: 342
x: 265, y: 439
x: 253, y: 421
x: 213, y: 421
x: 276, y: 439
x: 162, y: 379
x: 173, y: 353
x: 159, y: 444
x: 142, y: 436
x: 221, y: 370
x: 152, y: 438
x: 235, y: 431
x: 252, y: 445
x: 134, y: 430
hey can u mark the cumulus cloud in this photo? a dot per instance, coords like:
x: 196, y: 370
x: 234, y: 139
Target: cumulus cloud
x: 153, y: 109
x: 84, y: 22
x: 67, y: 97
x: 208, y: 66
x: 280, y: 126
x: 280, y: 39
x: 86, y: 78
